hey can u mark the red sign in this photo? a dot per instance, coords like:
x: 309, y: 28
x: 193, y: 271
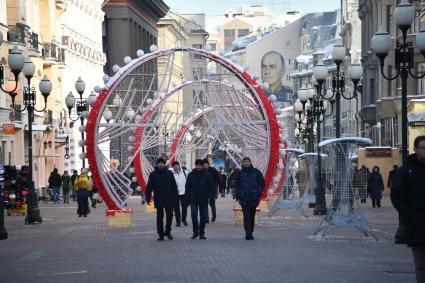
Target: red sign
x: 8, y: 129
x: 379, y: 152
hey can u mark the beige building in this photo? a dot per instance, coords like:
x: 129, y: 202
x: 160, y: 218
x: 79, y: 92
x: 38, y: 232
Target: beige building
x: 37, y: 28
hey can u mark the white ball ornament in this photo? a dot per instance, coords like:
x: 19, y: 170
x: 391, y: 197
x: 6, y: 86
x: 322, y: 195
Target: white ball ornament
x: 139, y: 189
x: 98, y: 89
x: 127, y: 59
x: 115, y: 68
x: 131, y: 138
x: 130, y: 148
x: 85, y: 114
x: 278, y: 111
x: 81, y: 143
x: 134, y: 179
x: 140, y: 53
x: 272, y: 98
x: 129, y: 158
x: 153, y: 48
x: 132, y: 170
x: 105, y: 78
x: 149, y: 101
x: 265, y: 86
x: 81, y: 129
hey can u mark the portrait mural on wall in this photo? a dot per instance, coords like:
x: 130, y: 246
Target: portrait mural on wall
x: 272, y: 72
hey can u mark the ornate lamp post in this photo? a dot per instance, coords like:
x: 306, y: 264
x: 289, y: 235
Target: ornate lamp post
x: 338, y: 83
x: 404, y: 55
x: 29, y: 96
x: 82, y: 106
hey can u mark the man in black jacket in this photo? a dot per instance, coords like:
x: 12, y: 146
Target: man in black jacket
x: 162, y: 183
x: 408, y: 197
x: 199, y: 185
x: 248, y: 188
x: 214, y: 192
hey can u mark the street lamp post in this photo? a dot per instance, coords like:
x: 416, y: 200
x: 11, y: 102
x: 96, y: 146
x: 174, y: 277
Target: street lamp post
x: 82, y: 107
x: 338, y: 83
x: 404, y: 55
x: 17, y: 65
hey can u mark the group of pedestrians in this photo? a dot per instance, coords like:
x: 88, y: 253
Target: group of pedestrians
x: 79, y: 188
x: 176, y: 188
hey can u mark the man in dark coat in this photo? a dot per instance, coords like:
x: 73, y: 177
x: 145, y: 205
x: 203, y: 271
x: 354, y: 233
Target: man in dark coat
x: 214, y: 193
x: 248, y: 188
x: 199, y: 187
x: 162, y: 183
x: 408, y: 197
x: 376, y: 187
x: 391, y: 175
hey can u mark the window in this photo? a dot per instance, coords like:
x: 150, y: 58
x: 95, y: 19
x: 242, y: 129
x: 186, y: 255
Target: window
x: 389, y: 19
x: 372, y: 92
x: 243, y: 32
x: 213, y: 46
x: 288, y: 77
x: 288, y: 44
x: 229, y: 32
x: 289, y: 62
x: 420, y: 84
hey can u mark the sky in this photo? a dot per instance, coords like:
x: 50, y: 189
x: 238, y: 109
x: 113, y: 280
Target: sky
x: 218, y: 7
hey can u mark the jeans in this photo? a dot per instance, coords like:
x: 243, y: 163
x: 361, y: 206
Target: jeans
x: 56, y: 194
x: 199, y: 227
x: 249, y: 218
x: 83, y: 205
x: 419, y: 258
x: 160, y: 220
x: 180, y: 202
x: 213, y: 210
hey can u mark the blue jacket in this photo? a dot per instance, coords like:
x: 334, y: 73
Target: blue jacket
x: 199, y: 187
x: 163, y: 185
x: 249, y: 186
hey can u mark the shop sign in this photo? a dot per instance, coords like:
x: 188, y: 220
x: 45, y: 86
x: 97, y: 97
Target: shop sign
x: 379, y: 152
x: 417, y: 124
x: 8, y: 129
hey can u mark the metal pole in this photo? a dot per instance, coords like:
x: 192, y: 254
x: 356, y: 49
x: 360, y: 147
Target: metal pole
x: 338, y: 103
x: 82, y: 138
x: 404, y: 126
x: 33, y: 212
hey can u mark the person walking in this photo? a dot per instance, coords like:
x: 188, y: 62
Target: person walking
x: 180, y: 175
x: 248, y: 188
x: 66, y: 186
x: 214, y: 193
x: 408, y: 198
x: 231, y: 181
x: 199, y: 187
x: 83, y: 186
x: 391, y: 175
x: 74, y: 191
x: 55, y: 184
x: 162, y: 184
x: 223, y: 182
x: 376, y: 187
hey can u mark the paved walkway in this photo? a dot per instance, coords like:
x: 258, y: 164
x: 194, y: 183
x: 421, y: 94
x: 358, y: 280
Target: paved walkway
x: 66, y: 248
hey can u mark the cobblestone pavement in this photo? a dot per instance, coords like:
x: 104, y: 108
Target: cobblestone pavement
x: 66, y: 248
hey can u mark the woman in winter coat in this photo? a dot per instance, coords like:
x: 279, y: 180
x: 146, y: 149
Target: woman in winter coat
x: 376, y: 186
x: 66, y: 181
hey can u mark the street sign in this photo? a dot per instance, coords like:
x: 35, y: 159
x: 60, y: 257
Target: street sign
x: 8, y: 129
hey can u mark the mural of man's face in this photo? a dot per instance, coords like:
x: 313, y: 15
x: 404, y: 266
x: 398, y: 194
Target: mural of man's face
x: 272, y: 71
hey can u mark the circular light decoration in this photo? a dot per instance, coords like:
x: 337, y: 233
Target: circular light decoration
x: 176, y: 130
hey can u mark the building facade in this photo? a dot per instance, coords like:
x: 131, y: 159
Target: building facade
x: 381, y: 99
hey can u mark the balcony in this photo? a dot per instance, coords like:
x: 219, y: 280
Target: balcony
x: 22, y: 34
x: 52, y: 52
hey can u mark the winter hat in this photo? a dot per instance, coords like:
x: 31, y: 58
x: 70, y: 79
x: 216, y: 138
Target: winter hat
x: 160, y: 160
x: 199, y: 162
x: 246, y: 158
x: 205, y: 161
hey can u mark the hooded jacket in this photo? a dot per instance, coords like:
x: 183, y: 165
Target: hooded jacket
x: 408, y: 197
x: 199, y: 187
